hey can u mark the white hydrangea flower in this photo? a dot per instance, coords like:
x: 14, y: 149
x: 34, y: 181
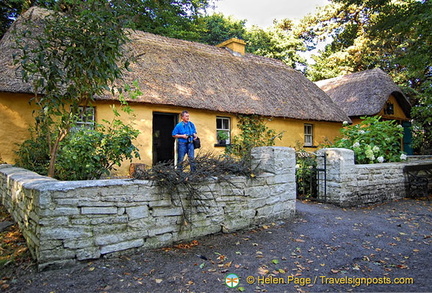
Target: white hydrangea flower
x: 403, y: 157
x: 369, y: 154
x: 356, y: 144
x: 380, y: 159
x: 345, y: 123
x: 361, y: 131
x: 375, y: 149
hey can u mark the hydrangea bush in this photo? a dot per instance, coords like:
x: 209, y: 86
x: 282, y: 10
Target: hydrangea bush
x: 373, y: 140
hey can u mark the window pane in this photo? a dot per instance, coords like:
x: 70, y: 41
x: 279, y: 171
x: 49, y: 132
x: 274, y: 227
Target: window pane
x: 308, y: 134
x: 225, y: 124
x: 218, y: 123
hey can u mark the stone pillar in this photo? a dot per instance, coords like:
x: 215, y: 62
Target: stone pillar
x: 340, y: 177
x: 274, y: 160
x: 277, y: 166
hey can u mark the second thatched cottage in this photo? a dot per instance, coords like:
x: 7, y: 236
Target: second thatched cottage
x: 371, y: 93
x: 214, y: 84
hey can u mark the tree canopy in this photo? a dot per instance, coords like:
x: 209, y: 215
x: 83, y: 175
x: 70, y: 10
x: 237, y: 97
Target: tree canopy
x: 217, y: 28
x: 278, y: 42
x: 172, y: 18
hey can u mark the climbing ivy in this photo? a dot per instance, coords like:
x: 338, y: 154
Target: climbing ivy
x: 254, y: 133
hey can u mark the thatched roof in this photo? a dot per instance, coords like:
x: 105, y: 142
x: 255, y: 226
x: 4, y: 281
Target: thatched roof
x: 364, y: 93
x: 10, y: 75
x: 194, y: 75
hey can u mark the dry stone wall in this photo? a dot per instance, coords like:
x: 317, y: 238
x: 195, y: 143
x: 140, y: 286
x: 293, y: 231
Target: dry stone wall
x: 348, y: 184
x: 64, y: 222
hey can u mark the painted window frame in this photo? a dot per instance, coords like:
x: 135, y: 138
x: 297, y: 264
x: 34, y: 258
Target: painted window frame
x: 223, y: 124
x: 87, y: 119
x: 308, y: 135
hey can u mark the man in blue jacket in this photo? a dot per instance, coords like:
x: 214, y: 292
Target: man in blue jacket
x: 185, y: 132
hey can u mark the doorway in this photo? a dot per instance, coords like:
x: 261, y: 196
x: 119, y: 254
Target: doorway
x: 163, y: 142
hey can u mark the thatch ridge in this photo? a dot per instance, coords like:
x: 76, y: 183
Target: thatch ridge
x: 364, y: 93
x: 193, y: 75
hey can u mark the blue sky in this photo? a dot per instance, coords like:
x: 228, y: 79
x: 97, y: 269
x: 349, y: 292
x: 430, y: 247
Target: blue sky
x: 263, y: 12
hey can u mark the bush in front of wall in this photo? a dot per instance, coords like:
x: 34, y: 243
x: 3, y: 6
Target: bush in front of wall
x: 92, y: 153
x: 85, y: 154
x: 33, y: 154
x: 373, y: 140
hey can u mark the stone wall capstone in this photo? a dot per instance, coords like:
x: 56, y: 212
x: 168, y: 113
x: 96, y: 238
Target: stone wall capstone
x: 64, y: 222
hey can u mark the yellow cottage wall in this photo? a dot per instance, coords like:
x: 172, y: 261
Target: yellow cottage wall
x: 205, y: 122
x: 398, y: 112
x: 16, y: 118
x: 293, y: 132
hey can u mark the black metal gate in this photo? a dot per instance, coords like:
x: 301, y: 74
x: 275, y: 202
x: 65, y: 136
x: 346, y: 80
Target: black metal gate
x: 311, y: 180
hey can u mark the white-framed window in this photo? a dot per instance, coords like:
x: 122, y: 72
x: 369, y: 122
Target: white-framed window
x: 223, y: 130
x: 86, y: 117
x: 308, y: 134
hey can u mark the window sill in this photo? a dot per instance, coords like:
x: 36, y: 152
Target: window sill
x: 220, y: 145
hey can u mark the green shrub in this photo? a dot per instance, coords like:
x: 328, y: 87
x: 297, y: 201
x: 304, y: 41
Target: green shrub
x: 89, y: 154
x: 85, y: 154
x: 33, y: 155
x: 373, y: 140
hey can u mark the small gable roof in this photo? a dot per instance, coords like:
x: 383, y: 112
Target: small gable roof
x: 364, y: 93
x: 188, y: 74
